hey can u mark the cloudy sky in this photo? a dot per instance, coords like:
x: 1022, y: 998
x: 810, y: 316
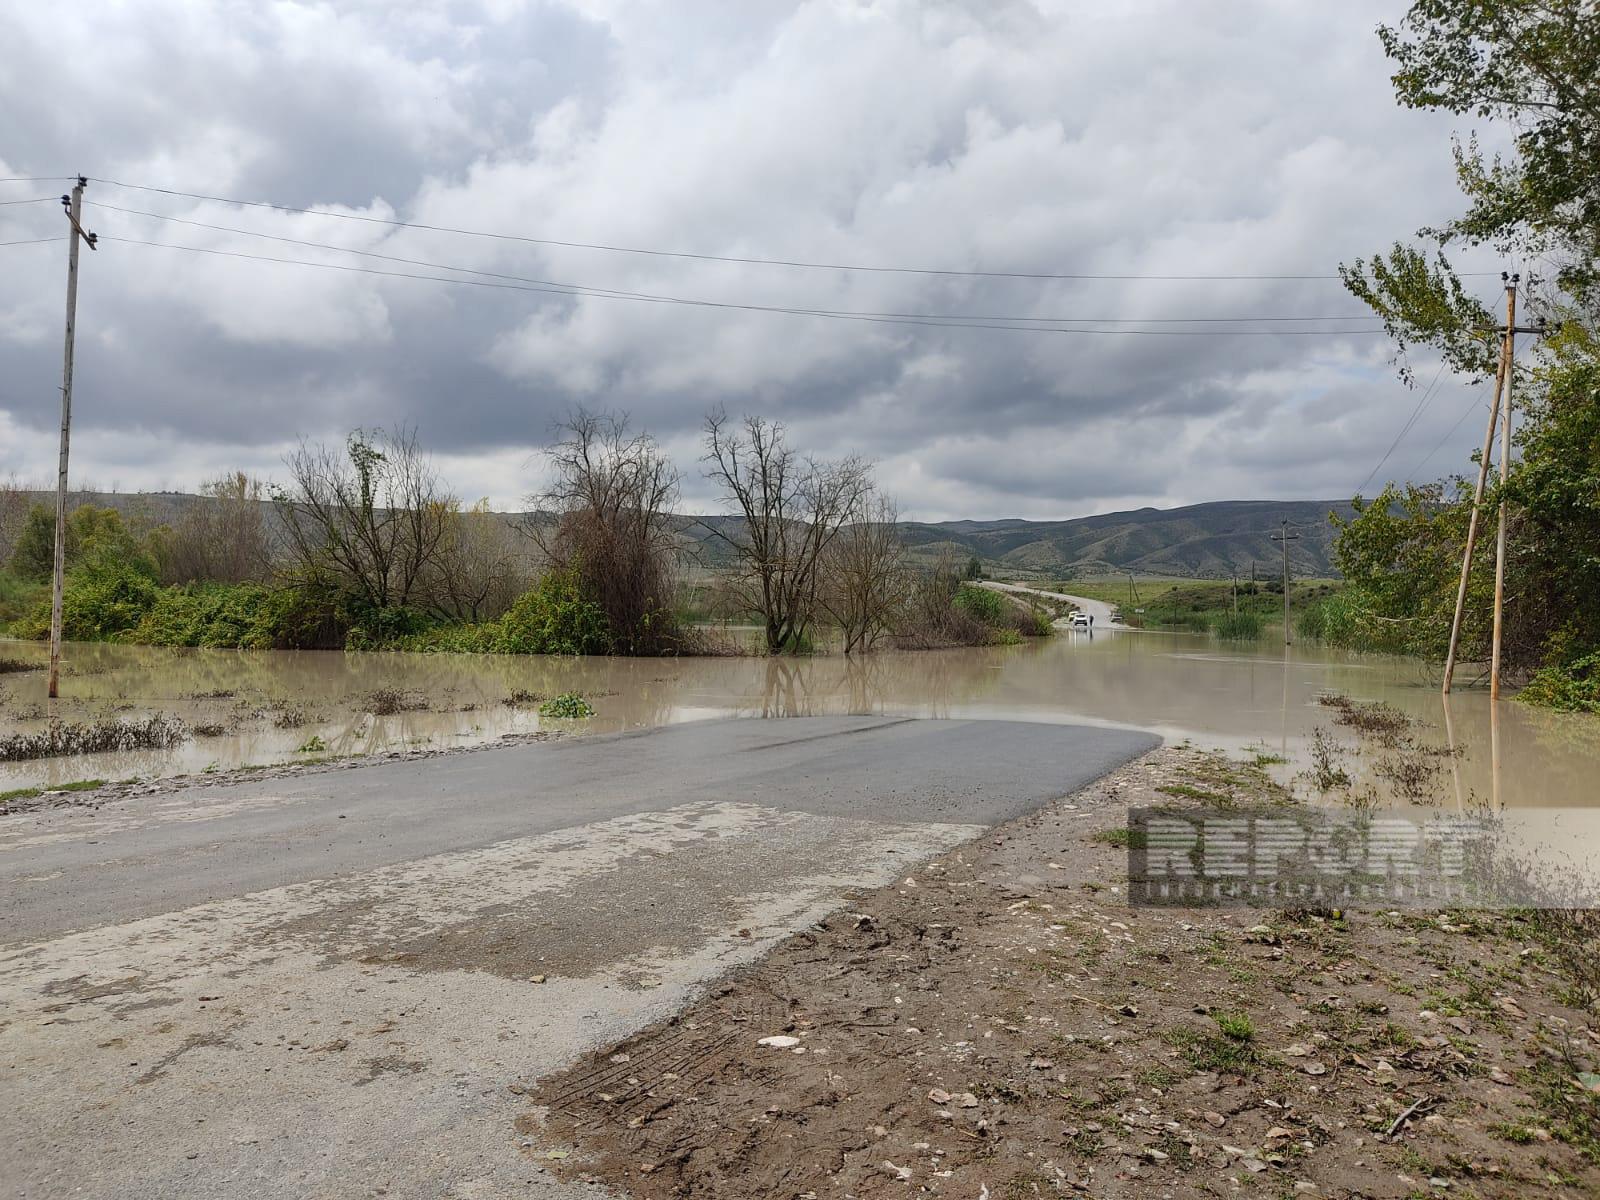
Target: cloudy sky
x: 1013, y: 137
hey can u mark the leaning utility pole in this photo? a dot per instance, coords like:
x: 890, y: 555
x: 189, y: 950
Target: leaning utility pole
x: 1284, y: 536
x: 1483, y: 478
x: 74, y: 207
x: 1502, y: 402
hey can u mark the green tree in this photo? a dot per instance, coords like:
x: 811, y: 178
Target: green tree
x: 34, y: 556
x: 1534, y: 66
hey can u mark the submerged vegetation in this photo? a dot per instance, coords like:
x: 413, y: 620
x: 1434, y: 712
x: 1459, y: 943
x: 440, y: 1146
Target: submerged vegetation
x: 155, y: 732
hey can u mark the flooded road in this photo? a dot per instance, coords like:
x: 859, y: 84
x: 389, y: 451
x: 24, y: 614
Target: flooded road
x: 255, y: 708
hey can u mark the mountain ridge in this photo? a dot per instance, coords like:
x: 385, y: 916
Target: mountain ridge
x: 1213, y: 539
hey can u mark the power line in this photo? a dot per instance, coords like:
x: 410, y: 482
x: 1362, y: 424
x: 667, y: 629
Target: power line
x: 831, y: 314
x: 585, y: 288
x: 30, y: 200
x: 1467, y: 412
x: 39, y: 179
x: 1404, y: 429
x: 728, y: 258
x: 33, y: 241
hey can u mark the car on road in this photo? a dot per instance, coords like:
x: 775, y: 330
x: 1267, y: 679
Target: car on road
x: 1080, y: 620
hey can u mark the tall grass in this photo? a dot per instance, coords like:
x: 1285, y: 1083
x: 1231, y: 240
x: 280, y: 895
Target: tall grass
x: 1239, y: 626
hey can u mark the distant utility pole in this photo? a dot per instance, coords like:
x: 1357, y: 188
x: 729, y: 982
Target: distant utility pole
x: 74, y: 207
x: 1502, y: 400
x: 1283, y: 535
x: 1236, y: 593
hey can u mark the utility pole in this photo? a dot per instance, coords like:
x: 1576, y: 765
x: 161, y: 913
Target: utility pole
x: 1236, y: 593
x: 1284, y: 536
x: 1502, y: 399
x: 74, y: 207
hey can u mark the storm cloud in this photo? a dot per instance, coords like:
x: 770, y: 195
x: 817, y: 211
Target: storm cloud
x: 1229, y: 137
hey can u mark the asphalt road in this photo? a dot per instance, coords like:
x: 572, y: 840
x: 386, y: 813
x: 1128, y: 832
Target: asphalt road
x: 1105, y: 616
x: 330, y: 985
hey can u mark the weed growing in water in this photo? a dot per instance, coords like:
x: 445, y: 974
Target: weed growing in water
x: 155, y: 732
x: 568, y: 705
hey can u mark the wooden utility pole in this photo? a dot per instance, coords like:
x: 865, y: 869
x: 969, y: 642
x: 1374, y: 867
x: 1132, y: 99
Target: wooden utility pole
x: 1283, y: 535
x: 1502, y: 403
x: 1236, y: 593
x: 1483, y: 478
x: 74, y: 207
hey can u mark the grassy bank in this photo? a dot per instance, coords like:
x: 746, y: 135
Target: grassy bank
x: 1203, y: 605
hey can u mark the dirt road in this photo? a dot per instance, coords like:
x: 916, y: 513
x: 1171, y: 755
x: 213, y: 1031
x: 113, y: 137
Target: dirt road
x: 337, y: 985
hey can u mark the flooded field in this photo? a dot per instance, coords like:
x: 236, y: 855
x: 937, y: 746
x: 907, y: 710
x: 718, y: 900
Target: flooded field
x: 277, y: 706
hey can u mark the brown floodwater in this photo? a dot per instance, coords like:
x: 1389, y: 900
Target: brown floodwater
x: 268, y: 706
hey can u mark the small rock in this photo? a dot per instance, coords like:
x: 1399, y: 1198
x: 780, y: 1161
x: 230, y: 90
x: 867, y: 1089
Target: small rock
x: 778, y: 1041
x: 1214, y: 1118
x: 967, y: 1100
x: 939, y: 1096
x: 535, y: 978
x: 1254, y: 1165
x: 1042, y: 1064
x: 1297, y: 1050
x: 1316, y: 1068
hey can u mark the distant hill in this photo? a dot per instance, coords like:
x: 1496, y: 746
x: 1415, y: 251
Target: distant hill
x: 1210, y: 540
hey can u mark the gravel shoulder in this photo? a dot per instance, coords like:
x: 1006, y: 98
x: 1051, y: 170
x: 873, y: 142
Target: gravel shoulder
x: 1000, y: 1023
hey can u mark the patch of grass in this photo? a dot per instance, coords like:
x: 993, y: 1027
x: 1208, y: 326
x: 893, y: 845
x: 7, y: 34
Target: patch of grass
x: 1121, y: 838
x: 79, y: 785
x: 1189, y: 792
x: 519, y: 697
x: 312, y: 745
x: 1237, y: 1026
x: 568, y: 705
x: 1217, y: 1052
x: 1572, y: 1114
x: 15, y: 666
x: 24, y: 793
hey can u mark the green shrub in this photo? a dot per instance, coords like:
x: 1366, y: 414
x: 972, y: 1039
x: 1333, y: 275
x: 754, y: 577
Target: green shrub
x: 1571, y: 687
x: 18, y: 596
x: 553, y: 617
x: 100, y: 600
x: 568, y: 705
x: 209, y: 614
x: 983, y: 603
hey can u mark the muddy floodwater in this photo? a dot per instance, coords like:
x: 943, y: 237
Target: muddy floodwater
x: 265, y: 707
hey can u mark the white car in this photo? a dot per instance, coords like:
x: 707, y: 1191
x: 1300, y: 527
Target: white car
x: 1080, y: 620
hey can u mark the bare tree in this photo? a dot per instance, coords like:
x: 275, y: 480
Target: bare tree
x: 607, y: 516
x: 792, y: 507
x: 478, y: 572
x: 864, y: 578
x: 372, y: 518
x: 224, y: 536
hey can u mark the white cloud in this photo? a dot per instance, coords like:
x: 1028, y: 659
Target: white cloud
x: 1164, y: 139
